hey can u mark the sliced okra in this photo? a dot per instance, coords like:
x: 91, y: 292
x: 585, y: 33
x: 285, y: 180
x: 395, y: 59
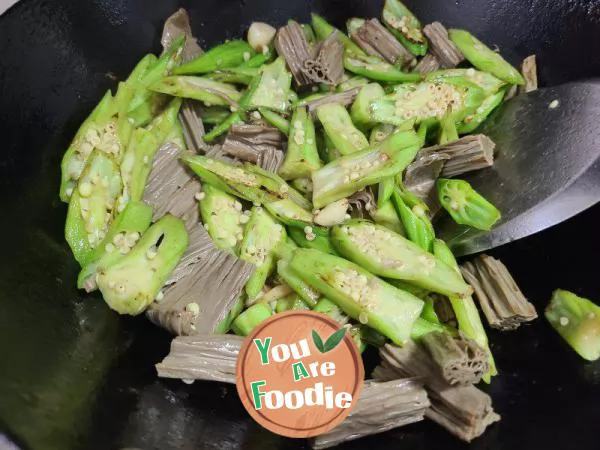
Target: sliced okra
x: 123, y: 233
x: 263, y: 234
x: 302, y: 157
x: 251, y: 318
x: 375, y: 68
x: 223, y: 218
x: 323, y: 29
x: 387, y: 216
x: 486, y: 81
x: 271, y: 88
x: 360, y: 294
x: 224, y: 56
x: 484, y: 58
x: 340, y: 130
x: 428, y: 100
x: 360, y: 112
x: 292, y: 302
x: 405, y: 26
x: 466, y: 205
x: 133, y: 282
x: 471, y: 122
x: 391, y: 255
x: 92, y: 204
x: 210, y: 92
x: 349, y: 174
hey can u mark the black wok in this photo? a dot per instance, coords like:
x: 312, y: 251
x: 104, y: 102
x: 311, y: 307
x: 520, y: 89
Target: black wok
x: 75, y: 375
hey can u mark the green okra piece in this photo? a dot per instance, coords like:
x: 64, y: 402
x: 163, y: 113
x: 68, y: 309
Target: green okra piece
x: 309, y: 33
x: 473, y: 121
x: 235, y: 75
x: 223, y: 127
x: 375, y: 68
x: 351, y: 82
x: 409, y: 287
x: 258, y: 60
x: 275, y: 120
x: 330, y: 309
x: 262, y: 235
x: 223, y: 218
x: 486, y: 81
x: 423, y: 327
x: 137, y: 161
x: 292, y: 302
x: 252, y: 183
x: 142, y: 68
x: 360, y: 294
x: 388, y: 254
x: 99, y: 131
x: 304, y: 101
x: 413, y: 214
x: 323, y: 29
x: 214, y: 115
x: 320, y: 242
x: 577, y: 320
x: 91, y: 206
x: 146, y: 104
x: 484, y: 58
x: 303, y: 185
x: 340, y: 130
x: 380, y: 133
x: 360, y: 112
x: 448, y: 131
x: 385, y: 189
x: 349, y: 174
x: 429, y: 313
x: 176, y: 136
x: 353, y: 24
x: 428, y: 101
x: 332, y: 153
x: 387, y: 216
x: 405, y: 26
x: 300, y: 287
x: 225, y: 325
x: 224, y: 56
x: 467, y: 315
x: 121, y: 234
x: 290, y: 213
x: 251, y: 318
x: 133, y: 282
x: 422, y: 132
x: 210, y: 92
x: 302, y: 156
x: 271, y: 88
x: 466, y: 205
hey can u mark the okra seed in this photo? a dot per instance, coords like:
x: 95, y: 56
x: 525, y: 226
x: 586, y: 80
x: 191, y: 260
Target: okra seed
x: 311, y: 237
x: 151, y: 253
x: 246, y: 56
x: 470, y: 72
x: 69, y: 191
x: 308, y: 230
x: 554, y: 104
x: 193, y: 308
x: 160, y: 296
x: 564, y: 321
x: 109, y: 248
x: 145, y: 159
x: 206, y: 226
x: 85, y: 189
x: 244, y: 218
x: 200, y: 196
x: 363, y: 318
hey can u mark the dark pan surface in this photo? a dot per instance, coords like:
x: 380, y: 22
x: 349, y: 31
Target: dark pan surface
x: 74, y: 375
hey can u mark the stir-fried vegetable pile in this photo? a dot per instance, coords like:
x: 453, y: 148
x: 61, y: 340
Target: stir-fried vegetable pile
x: 324, y: 158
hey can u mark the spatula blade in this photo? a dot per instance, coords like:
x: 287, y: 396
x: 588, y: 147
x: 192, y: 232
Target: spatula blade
x: 547, y: 166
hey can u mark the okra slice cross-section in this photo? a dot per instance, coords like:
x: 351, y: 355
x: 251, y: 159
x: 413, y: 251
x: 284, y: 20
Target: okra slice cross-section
x: 359, y: 293
x: 388, y: 254
x: 466, y: 205
x: 349, y: 174
x: 340, y: 130
x: 263, y: 235
x: 135, y: 280
x: 302, y: 157
x: 92, y: 204
x: 223, y: 218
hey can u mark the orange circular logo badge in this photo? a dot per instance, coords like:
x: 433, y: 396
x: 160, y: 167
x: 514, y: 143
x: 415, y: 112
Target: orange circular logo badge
x: 299, y: 374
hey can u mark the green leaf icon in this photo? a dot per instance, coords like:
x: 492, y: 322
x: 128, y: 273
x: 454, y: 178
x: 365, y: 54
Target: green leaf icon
x: 318, y: 341
x: 334, y: 340
x: 331, y: 343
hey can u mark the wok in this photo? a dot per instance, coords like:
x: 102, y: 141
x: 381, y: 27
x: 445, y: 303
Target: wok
x: 75, y: 375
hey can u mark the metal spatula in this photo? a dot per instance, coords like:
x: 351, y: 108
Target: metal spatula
x: 547, y: 166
